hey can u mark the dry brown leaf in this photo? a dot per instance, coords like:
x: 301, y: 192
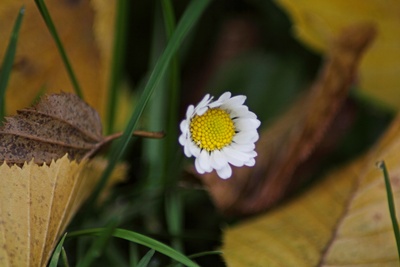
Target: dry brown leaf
x: 290, y: 141
x: 38, y: 202
x: 57, y: 125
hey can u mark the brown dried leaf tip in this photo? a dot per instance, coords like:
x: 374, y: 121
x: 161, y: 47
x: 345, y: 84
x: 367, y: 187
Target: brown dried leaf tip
x: 57, y: 125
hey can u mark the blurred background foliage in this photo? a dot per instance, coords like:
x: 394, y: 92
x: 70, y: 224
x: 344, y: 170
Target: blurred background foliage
x: 242, y: 46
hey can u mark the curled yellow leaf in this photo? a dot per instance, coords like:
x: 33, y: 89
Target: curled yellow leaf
x: 342, y: 221
x: 38, y: 202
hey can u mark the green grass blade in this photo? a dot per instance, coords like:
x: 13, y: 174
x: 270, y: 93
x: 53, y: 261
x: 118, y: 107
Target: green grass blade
x: 174, y: 210
x: 52, y: 29
x: 56, y: 253
x: 174, y: 218
x: 153, y: 150
x: 155, y: 112
x: 8, y: 61
x: 391, y: 205
x: 144, y: 262
x: 141, y: 240
x: 98, y: 245
x: 133, y: 254
x: 189, y: 18
x: 64, y: 258
x: 117, y: 61
x: 174, y: 82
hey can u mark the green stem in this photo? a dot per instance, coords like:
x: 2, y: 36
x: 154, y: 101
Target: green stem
x: 52, y: 29
x: 173, y: 201
x: 8, y: 62
x: 392, y: 208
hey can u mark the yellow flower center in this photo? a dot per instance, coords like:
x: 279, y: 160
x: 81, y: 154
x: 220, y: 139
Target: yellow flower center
x: 212, y: 130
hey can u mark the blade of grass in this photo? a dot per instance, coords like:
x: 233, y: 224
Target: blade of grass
x: 392, y: 209
x: 174, y: 81
x: 8, y: 62
x: 146, y: 259
x: 53, y: 31
x: 120, y: 30
x: 153, y: 151
x: 173, y: 201
x: 189, y: 18
x: 98, y: 245
x: 64, y: 258
x: 57, y: 252
x: 133, y: 254
x: 141, y: 240
x: 174, y: 214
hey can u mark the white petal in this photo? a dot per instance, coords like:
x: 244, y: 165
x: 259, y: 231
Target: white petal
x: 234, y: 157
x: 237, y: 111
x: 214, y: 104
x: 203, y: 105
x: 242, y: 112
x: 245, y: 137
x: 255, y: 137
x: 225, y: 96
x: 256, y: 121
x: 202, y: 110
x: 245, y: 115
x: 198, y: 167
x: 218, y: 160
x: 243, y: 147
x: 187, y: 151
x: 184, y: 126
x: 246, y: 124
x: 251, y: 162
x: 225, y: 172
x: 189, y: 112
x: 194, y: 150
x: 235, y: 101
x: 204, y: 101
x: 204, y: 161
x: 251, y: 154
x: 182, y: 139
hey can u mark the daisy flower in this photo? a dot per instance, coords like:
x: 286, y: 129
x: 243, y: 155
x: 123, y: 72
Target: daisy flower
x: 219, y: 133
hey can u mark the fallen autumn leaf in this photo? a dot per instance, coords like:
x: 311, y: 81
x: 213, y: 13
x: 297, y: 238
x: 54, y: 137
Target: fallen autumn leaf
x: 342, y: 221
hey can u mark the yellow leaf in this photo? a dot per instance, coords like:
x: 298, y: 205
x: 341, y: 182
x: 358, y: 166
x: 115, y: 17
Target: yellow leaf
x: 342, y: 221
x: 317, y: 22
x: 86, y: 29
x: 37, y: 203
